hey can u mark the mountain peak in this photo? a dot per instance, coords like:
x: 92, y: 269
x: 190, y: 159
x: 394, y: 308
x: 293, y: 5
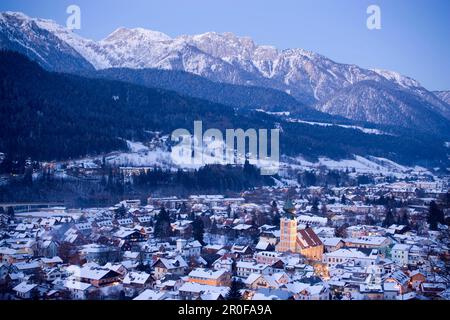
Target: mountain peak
x: 140, y: 34
x: 20, y: 20
x: 11, y: 18
x: 396, y: 77
x: 15, y: 14
x: 227, y: 58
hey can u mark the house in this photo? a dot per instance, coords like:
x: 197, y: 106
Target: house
x: 74, y: 236
x: 31, y: 267
x: 212, y: 249
x: 242, y: 251
x: 372, y: 292
x: 314, y: 221
x: 138, y: 279
x: 164, y: 266
x: 268, y: 257
x: 325, y: 232
x: 359, y: 257
x: 130, y: 255
x: 332, y: 244
x: 391, y: 291
x: 53, y: 273
x: 51, y: 262
x: 78, y: 290
x: 274, y: 281
x: 129, y: 235
x: 368, y: 242
x: 397, y: 229
x: 189, y: 249
x: 97, y: 276
x: 182, y: 228
x: 270, y: 294
x: 104, y: 223
x: 400, y: 254
x: 225, y: 262
x: 416, y: 279
x: 99, y: 253
x: 125, y: 222
x: 431, y: 290
x: 83, y: 227
x: 245, y: 229
x: 400, y: 281
x: 169, y: 283
x: 25, y: 290
x: 48, y: 248
x: 117, y: 267
x: 195, y: 291
x: 245, y: 268
x: 130, y: 203
x: 149, y: 294
x: 136, y: 282
x: 317, y: 291
x: 417, y: 255
x: 264, y: 245
x: 313, y: 292
x: 210, y: 277
x: 145, y: 220
x: 55, y: 295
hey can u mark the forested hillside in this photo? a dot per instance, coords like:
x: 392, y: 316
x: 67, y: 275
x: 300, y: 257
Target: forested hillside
x: 49, y: 116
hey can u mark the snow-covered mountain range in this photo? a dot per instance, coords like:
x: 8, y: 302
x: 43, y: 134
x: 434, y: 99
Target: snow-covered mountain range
x: 443, y: 95
x: 382, y: 97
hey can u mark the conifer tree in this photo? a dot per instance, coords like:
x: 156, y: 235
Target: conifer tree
x: 234, y: 294
x: 162, y: 224
x: 435, y: 216
x: 198, y: 230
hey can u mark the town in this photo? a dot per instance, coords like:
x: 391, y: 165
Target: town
x: 376, y: 241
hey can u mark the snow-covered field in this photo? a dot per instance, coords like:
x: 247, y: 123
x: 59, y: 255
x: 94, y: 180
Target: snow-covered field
x: 324, y: 124
x: 48, y: 214
x: 368, y: 165
x: 140, y: 155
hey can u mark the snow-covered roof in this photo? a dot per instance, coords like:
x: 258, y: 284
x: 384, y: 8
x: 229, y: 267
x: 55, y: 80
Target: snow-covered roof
x: 331, y: 241
x: 136, y: 278
x: 123, y: 233
x: 151, y: 295
x: 52, y: 260
x: 376, y: 241
x: 206, y: 274
x: 401, y: 247
x: 76, y: 285
x: 202, y: 288
x: 24, y: 287
x: 93, y: 273
x: 348, y: 253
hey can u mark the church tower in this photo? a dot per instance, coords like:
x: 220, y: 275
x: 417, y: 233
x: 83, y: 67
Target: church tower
x: 288, y: 229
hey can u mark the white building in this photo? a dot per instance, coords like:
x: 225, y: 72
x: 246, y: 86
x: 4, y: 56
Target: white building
x: 189, y: 249
x: 356, y: 256
x: 400, y: 253
x: 244, y: 268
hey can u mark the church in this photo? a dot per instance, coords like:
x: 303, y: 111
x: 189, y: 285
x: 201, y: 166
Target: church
x: 305, y: 242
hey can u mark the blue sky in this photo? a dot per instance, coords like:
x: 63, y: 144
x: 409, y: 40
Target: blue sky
x: 414, y: 39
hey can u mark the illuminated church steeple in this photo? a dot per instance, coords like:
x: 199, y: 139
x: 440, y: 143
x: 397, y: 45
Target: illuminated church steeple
x: 288, y: 229
x: 289, y: 210
x: 305, y: 242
